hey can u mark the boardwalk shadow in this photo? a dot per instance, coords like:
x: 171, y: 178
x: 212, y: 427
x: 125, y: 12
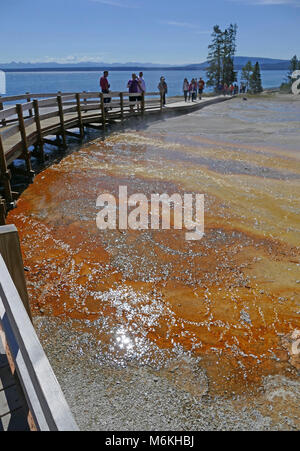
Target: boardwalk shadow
x: 13, y: 409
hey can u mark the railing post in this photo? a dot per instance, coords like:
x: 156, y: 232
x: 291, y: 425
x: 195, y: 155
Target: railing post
x: 1, y: 109
x: 81, y: 128
x: 103, y: 110
x: 10, y: 250
x: 62, y: 121
x: 26, y: 152
x: 2, y: 212
x: 29, y: 100
x: 39, y: 130
x: 122, y: 105
x: 84, y: 101
x: 5, y: 175
x: 143, y: 104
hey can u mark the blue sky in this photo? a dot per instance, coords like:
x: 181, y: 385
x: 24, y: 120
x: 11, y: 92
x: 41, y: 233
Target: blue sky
x: 158, y: 31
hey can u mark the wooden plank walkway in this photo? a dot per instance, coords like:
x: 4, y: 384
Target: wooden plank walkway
x: 13, y: 406
x: 51, y: 126
x: 30, y: 124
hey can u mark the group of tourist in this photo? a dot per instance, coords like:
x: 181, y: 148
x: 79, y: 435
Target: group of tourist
x: 243, y: 88
x: 136, y: 85
x: 232, y: 89
x: 193, y: 89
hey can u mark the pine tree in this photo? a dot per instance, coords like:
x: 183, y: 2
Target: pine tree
x: 229, y: 49
x: 286, y: 86
x: 246, y: 73
x: 255, y: 80
x: 221, y: 56
x: 214, y: 71
x: 294, y: 65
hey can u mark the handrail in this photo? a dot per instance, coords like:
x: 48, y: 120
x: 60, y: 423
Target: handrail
x: 10, y: 250
x: 8, y: 112
x: 47, y: 405
x: 47, y: 95
x: 33, y: 96
x: 66, y: 97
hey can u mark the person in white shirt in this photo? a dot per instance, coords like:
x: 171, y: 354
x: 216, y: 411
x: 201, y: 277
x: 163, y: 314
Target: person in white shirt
x: 142, y: 82
x: 185, y: 89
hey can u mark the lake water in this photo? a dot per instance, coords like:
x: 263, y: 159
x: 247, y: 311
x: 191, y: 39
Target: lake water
x: 36, y: 82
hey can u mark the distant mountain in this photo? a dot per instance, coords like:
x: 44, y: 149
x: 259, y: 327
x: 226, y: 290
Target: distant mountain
x: 263, y: 61
x: 240, y: 61
x: 76, y: 66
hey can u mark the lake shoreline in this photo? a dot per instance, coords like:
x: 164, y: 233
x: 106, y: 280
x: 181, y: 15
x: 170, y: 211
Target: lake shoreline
x: 17, y: 82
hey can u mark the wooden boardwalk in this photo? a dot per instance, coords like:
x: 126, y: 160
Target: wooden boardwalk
x: 25, y: 127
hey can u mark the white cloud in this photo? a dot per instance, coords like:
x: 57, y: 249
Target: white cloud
x: 175, y: 23
x: 69, y: 59
x: 115, y: 3
x: 269, y: 2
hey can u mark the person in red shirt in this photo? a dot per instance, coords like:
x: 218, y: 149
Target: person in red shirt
x: 201, y: 86
x: 104, y: 85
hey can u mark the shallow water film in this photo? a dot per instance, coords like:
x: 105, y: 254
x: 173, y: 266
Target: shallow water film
x: 217, y: 317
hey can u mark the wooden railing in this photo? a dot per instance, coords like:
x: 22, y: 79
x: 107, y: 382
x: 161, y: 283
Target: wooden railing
x: 36, y: 116
x: 93, y: 100
x: 47, y: 407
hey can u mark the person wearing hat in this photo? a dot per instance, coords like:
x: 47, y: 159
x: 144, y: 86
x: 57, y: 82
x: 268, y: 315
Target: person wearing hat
x: 163, y: 89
